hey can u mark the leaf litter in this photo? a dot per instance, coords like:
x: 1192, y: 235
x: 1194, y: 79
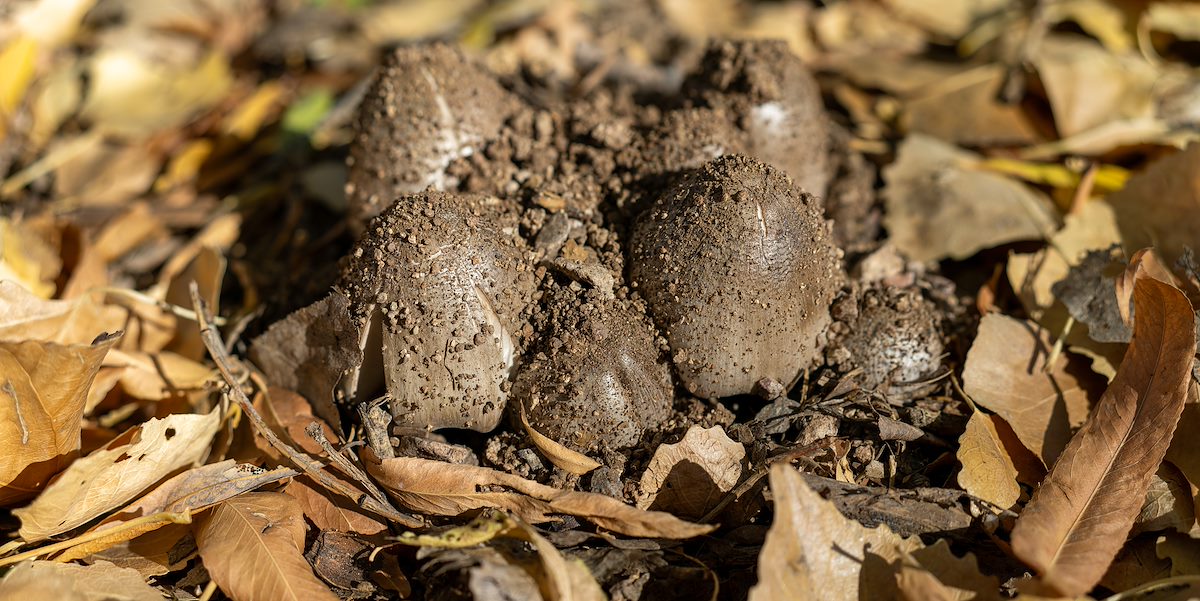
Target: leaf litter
x: 200, y: 325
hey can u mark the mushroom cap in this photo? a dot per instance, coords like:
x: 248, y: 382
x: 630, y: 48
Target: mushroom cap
x: 896, y: 338
x: 442, y: 280
x: 597, y: 378
x: 738, y: 268
x: 778, y: 103
x: 427, y: 106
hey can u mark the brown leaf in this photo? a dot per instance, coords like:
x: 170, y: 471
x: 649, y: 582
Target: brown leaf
x: 1005, y: 373
x: 79, y: 321
x: 1160, y: 206
x: 935, y: 573
x: 101, y: 581
x: 1168, y: 503
x: 690, y: 477
x: 253, y: 547
x: 813, y: 552
x: 938, y: 207
x: 308, y: 352
x: 331, y: 512
x: 559, y: 454
x: 193, y: 490
x: 111, y: 476
x: 987, y: 470
x: 450, y: 489
x: 1080, y: 515
x: 42, y: 396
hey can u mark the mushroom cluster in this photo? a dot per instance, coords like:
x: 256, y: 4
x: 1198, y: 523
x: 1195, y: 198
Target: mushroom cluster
x: 579, y: 262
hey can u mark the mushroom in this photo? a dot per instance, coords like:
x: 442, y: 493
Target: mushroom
x: 777, y: 102
x: 596, y: 380
x: 437, y: 286
x: 427, y: 107
x: 738, y: 268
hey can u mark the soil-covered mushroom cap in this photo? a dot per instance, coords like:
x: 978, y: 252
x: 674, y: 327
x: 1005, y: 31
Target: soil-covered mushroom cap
x: 688, y: 138
x: 738, y: 268
x: 427, y: 106
x: 439, y: 282
x: 596, y: 379
x: 895, y: 336
x: 777, y: 103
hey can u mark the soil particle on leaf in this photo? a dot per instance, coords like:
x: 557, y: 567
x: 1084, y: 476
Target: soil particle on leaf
x: 777, y: 103
x: 427, y: 107
x: 440, y: 281
x: 738, y: 268
x: 894, y: 335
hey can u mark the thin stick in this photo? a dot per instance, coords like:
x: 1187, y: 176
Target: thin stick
x: 216, y: 348
x: 340, y: 461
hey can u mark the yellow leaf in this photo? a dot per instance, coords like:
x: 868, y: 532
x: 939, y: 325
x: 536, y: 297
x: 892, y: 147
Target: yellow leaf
x: 245, y: 121
x: 16, y: 71
x: 573, y: 461
x: 987, y: 470
x: 112, y: 475
x: 43, y: 388
x: 27, y: 259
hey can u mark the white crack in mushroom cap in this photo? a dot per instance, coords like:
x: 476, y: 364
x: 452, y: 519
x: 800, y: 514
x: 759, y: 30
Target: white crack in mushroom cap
x: 778, y: 103
x: 439, y: 282
x: 738, y: 268
x: 426, y: 107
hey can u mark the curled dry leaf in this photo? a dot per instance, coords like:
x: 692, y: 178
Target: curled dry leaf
x: 1160, y: 206
x: 101, y: 581
x: 117, y: 472
x: 439, y: 488
x: 988, y: 472
x: 1081, y: 514
x: 689, y: 478
x: 559, y: 454
x: 935, y: 573
x: 42, y: 397
x: 813, y: 552
x: 78, y: 321
x: 1005, y: 373
x: 1168, y: 504
x: 253, y: 547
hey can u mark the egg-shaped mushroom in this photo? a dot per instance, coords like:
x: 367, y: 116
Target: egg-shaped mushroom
x: 438, y: 284
x: 738, y: 268
x: 427, y: 106
x: 776, y: 102
x: 595, y: 378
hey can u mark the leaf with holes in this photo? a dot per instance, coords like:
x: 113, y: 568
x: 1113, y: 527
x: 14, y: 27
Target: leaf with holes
x: 114, y: 474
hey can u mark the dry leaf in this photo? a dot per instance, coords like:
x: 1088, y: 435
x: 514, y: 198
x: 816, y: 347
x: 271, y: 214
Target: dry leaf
x: 160, y: 551
x: 106, y: 174
x: 1160, y: 206
x: 1089, y: 87
x: 17, y: 63
x: 308, y: 352
x: 331, y: 512
x: 1168, y: 503
x: 101, y: 581
x: 42, y: 398
x: 950, y: 19
x: 965, y: 110
x: 813, y: 552
x: 111, y: 476
x: 559, y: 454
x: 79, y: 321
x: 253, y: 547
x: 560, y: 580
x: 987, y: 470
x: 154, y: 377
x: 690, y: 477
x: 934, y: 573
x: 938, y: 207
x: 1081, y: 514
x: 165, y: 96
x: 1005, y: 373
x: 25, y: 258
x: 1094, y: 227
x: 450, y: 489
